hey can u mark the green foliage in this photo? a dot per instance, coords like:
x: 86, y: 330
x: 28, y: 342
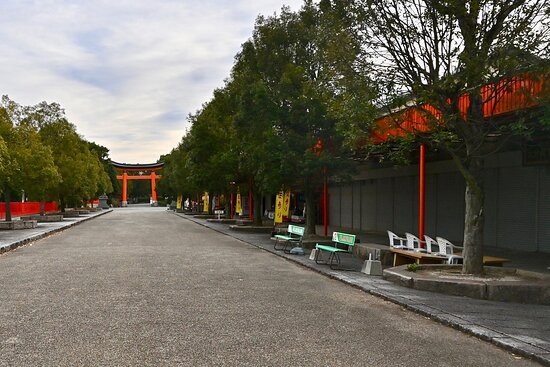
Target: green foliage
x: 412, y: 267
x: 46, y: 157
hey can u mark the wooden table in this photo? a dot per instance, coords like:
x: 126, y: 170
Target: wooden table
x: 402, y: 257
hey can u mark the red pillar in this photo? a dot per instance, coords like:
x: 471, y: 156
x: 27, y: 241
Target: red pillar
x: 325, y: 206
x: 250, y: 206
x: 154, y: 187
x: 124, y: 189
x: 422, y: 193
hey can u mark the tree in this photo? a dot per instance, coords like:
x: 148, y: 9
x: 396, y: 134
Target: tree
x: 30, y: 165
x: 435, y: 52
x: 295, y: 84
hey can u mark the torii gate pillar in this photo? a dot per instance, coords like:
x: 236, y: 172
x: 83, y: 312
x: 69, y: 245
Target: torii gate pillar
x: 124, y: 189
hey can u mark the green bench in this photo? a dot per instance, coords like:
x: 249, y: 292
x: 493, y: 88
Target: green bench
x: 342, y: 243
x: 294, y: 237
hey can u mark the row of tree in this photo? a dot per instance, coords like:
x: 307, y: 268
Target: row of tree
x: 42, y: 155
x: 307, y: 88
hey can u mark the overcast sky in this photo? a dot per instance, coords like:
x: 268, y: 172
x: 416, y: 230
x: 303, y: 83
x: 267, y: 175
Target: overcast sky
x: 127, y: 72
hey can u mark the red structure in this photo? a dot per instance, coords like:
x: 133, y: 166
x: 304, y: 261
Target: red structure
x: 141, y: 169
x: 498, y: 99
x: 27, y: 208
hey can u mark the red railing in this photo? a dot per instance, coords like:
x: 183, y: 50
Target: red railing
x: 498, y: 99
x: 27, y: 208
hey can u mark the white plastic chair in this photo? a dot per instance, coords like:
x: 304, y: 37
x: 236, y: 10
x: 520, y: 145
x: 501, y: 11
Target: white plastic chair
x: 447, y: 249
x: 413, y: 243
x: 395, y: 238
x: 431, y: 245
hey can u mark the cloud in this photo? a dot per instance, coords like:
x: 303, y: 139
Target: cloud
x: 127, y: 72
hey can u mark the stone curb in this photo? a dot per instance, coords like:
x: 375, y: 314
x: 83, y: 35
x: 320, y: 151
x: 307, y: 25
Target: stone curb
x: 499, y: 339
x: 36, y: 237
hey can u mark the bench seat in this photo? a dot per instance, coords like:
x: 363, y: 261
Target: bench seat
x: 329, y: 248
x: 286, y: 238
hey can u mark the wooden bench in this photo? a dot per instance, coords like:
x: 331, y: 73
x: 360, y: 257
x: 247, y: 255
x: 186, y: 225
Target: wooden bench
x: 402, y: 257
x: 294, y: 236
x: 338, y: 238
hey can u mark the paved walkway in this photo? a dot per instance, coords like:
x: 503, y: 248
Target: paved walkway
x: 522, y: 328
x: 143, y: 287
x: 10, y: 239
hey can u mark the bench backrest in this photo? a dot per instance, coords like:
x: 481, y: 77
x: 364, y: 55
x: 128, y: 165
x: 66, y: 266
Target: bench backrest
x: 344, y: 239
x: 297, y: 230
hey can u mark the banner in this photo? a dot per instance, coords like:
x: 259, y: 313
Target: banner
x: 206, y: 202
x: 179, y: 202
x: 286, y: 204
x: 238, y: 206
x: 279, y: 207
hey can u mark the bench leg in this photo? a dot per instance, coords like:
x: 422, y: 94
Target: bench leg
x: 333, y: 264
x: 275, y: 246
x: 317, y: 257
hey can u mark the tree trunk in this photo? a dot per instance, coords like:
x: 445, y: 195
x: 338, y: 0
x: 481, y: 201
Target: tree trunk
x: 310, y: 213
x: 42, y: 206
x: 474, y: 219
x: 7, y: 197
x: 257, y: 203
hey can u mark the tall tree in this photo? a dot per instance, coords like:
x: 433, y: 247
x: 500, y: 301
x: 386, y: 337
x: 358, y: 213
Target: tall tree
x: 437, y: 51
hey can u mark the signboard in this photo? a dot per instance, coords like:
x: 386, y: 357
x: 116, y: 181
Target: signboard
x: 238, y: 206
x: 282, y: 206
x: 179, y: 202
x: 279, y: 207
x: 206, y: 202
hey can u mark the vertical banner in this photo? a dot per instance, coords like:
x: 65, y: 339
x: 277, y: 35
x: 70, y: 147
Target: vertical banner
x: 206, y: 202
x: 238, y: 206
x: 286, y: 204
x: 279, y: 207
x: 179, y: 202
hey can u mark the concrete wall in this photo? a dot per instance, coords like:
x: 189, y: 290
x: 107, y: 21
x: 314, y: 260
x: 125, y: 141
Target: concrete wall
x: 517, y: 203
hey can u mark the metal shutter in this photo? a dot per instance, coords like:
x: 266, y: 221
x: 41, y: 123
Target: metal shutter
x: 384, y: 204
x: 356, y: 205
x: 334, y: 205
x: 346, y: 208
x: 543, y: 224
x: 403, y: 204
x: 516, y: 203
x: 368, y: 205
x: 450, y: 206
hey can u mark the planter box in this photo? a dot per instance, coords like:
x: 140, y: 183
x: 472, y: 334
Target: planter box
x: 18, y: 224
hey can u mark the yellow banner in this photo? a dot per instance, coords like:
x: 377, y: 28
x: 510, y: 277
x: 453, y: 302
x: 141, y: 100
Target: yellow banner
x: 238, y: 206
x: 286, y: 203
x: 279, y: 208
x: 206, y: 202
x: 179, y: 202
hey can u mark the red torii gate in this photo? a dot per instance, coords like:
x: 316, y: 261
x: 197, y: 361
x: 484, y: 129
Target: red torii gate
x: 125, y: 168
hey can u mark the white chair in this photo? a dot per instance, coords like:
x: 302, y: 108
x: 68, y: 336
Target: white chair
x: 446, y: 248
x: 395, y: 238
x: 431, y: 245
x: 414, y: 243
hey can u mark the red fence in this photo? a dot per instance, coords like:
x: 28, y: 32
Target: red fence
x: 27, y: 208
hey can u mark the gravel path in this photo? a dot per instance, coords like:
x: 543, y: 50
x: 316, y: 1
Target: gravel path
x: 141, y: 287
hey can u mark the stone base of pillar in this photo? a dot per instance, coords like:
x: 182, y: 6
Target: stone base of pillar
x: 154, y: 203
x: 124, y: 204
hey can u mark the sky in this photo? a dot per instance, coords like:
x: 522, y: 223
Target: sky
x: 127, y: 72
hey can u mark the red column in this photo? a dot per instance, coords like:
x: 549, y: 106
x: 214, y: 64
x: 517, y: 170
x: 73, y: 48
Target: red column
x: 250, y: 206
x: 124, y: 189
x: 422, y: 193
x: 154, y: 187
